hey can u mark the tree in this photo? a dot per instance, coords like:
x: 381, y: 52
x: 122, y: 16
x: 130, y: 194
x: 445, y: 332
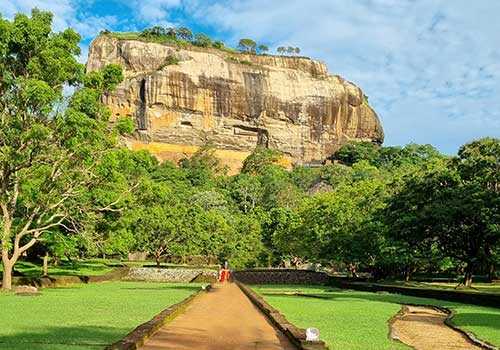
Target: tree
x: 218, y: 44
x: 154, y: 32
x: 161, y: 230
x: 171, y: 32
x: 247, y: 45
x: 281, y: 50
x: 246, y: 189
x: 455, y: 206
x: 47, y: 153
x: 260, y: 158
x: 290, y: 50
x: 185, y: 33
x: 202, y: 40
x: 125, y: 125
x: 263, y: 49
x: 339, y: 226
x: 203, y: 167
x: 297, y: 50
x: 353, y: 152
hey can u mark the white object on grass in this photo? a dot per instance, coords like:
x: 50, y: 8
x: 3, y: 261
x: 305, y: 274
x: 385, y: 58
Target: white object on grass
x: 312, y: 334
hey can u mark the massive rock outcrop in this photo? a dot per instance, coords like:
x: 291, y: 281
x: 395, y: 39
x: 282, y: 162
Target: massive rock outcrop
x: 182, y: 98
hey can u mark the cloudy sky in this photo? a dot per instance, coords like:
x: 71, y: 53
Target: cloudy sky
x: 431, y: 68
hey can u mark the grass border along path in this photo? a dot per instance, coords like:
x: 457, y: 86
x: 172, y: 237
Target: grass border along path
x: 140, y: 334
x: 352, y: 320
x: 83, y: 317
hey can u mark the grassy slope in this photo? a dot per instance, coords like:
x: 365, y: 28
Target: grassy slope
x: 90, y: 315
x: 354, y: 320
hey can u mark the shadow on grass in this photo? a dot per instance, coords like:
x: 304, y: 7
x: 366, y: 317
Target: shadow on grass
x: 463, y: 318
x: 478, y: 319
x: 62, y: 338
x: 165, y: 288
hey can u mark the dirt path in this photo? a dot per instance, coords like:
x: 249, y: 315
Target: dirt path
x: 222, y: 319
x: 424, y: 329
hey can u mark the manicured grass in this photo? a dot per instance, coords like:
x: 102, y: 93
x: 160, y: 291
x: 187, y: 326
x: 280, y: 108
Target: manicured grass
x: 352, y: 320
x: 89, y: 267
x: 83, y: 316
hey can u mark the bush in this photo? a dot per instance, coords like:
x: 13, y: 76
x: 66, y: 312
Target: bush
x: 125, y: 125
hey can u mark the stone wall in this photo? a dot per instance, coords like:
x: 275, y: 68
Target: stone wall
x: 281, y: 276
x: 179, y: 275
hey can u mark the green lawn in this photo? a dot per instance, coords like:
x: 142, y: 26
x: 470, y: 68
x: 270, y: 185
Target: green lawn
x: 89, y: 267
x: 83, y: 317
x: 352, y: 320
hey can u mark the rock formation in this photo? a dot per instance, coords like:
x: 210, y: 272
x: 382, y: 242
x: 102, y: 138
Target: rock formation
x: 183, y: 98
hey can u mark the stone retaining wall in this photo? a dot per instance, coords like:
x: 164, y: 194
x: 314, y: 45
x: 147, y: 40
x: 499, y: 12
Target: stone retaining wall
x: 178, y: 275
x: 296, y: 335
x: 281, y: 276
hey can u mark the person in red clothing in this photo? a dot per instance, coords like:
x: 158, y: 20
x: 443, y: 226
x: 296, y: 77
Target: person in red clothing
x: 224, y: 273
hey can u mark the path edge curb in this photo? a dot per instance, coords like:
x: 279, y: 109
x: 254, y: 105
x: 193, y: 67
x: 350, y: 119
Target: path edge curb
x: 296, y: 335
x: 143, y: 332
x: 450, y: 313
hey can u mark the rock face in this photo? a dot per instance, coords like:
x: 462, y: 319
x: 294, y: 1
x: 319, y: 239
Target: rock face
x: 183, y: 98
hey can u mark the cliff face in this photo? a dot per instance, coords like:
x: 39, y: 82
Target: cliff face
x: 182, y: 98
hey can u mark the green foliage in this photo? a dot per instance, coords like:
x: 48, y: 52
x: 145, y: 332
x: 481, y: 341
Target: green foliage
x: 170, y: 60
x: 125, y: 125
x: 185, y: 33
x: 48, y: 146
x: 354, y: 152
x: 247, y: 45
x: 202, y: 40
x: 260, y: 158
x: 263, y: 49
x: 456, y: 207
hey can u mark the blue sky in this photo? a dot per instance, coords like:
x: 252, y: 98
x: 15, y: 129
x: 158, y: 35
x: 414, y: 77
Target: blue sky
x: 431, y: 68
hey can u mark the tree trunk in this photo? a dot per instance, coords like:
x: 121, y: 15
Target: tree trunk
x: 468, y: 276
x: 7, y: 275
x: 157, y: 258
x: 352, y: 269
x: 45, y: 269
x: 491, y: 272
x: 409, y: 273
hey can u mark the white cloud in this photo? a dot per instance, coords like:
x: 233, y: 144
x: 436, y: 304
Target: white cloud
x: 154, y: 11
x: 431, y: 68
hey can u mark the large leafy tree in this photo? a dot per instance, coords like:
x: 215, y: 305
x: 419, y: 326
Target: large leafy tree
x: 454, y: 207
x: 48, y: 147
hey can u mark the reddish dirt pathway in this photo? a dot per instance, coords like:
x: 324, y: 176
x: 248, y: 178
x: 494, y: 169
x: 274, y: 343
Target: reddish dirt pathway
x: 423, y: 328
x: 222, y: 319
